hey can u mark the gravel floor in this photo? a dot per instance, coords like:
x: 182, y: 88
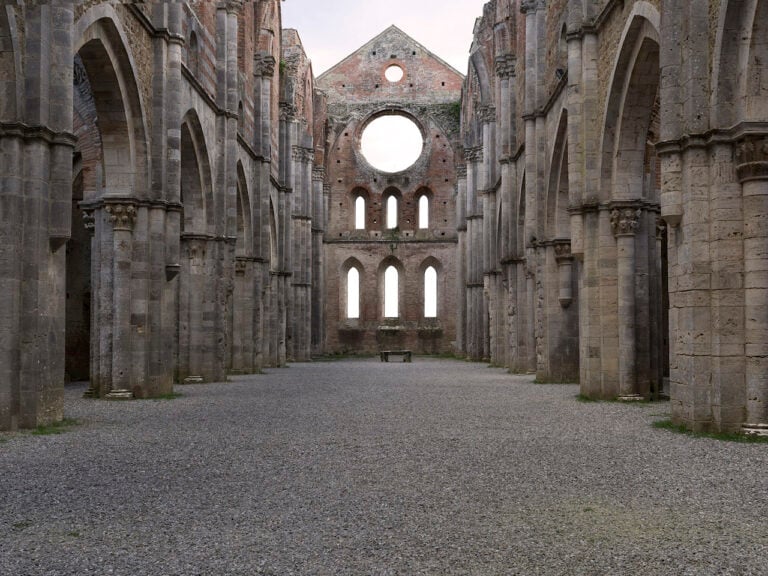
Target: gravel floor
x: 359, y: 467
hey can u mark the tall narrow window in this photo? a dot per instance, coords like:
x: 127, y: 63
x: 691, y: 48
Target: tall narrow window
x: 392, y: 212
x: 391, y: 288
x: 353, y: 293
x: 360, y: 213
x: 424, y: 212
x: 430, y: 293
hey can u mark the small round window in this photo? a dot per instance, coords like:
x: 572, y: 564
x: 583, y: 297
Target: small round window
x: 394, y: 73
x: 392, y: 143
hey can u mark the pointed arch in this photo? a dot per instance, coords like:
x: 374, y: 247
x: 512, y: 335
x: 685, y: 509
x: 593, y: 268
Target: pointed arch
x: 196, y: 176
x: 629, y: 111
x: 739, y: 75
x: 391, y: 276
x: 432, y: 279
x: 9, y: 66
x: 244, y: 245
x: 557, y: 217
x: 104, y: 50
x: 351, y: 303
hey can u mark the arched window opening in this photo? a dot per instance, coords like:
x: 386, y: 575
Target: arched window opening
x: 391, y: 293
x: 392, y: 212
x: 353, y: 294
x: 430, y: 293
x: 360, y: 213
x: 424, y: 212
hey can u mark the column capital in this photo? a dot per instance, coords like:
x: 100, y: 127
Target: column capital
x: 231, y: 6
x: 474, y: 154
x: 563, y: 250
x: 531, y: 6
x: 288, y: 112
x: 318, y: 174
x: 625, y: 221
x: 506, y: 65
x: 264, y: 65
x: 487, y: 114
x: 752, y: 159
x: 122, y: 215
x: 89, y: 220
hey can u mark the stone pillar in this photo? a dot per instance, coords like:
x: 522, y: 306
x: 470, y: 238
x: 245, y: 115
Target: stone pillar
x: 625, y: 222
x: 122, y: 215
x: 564, y: 260
x: 461, y: 264
x: 318, y: 269
x: 93, y: 380
x: 752, y: 172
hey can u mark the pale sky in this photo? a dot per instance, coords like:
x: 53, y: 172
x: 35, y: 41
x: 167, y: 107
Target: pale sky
x: 332, y: 29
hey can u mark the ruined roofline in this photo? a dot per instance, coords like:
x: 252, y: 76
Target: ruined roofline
x: 375, y: 38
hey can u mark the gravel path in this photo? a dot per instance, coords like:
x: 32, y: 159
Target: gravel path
x: 359, y: 467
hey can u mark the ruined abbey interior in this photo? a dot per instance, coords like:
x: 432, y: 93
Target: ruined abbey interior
x: 181, y: 198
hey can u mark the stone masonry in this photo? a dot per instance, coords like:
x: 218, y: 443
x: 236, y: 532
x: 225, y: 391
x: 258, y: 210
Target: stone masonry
x: 178, y: 200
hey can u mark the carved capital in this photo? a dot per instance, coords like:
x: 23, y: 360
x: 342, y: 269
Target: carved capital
x: 625, y: 221
x: 661, y: 228
x: 461, y: 171
x: 506, y: 65
x: 474, y: 154
x: 241, y: 266
x: 301, y: 154
x: 752, y: 159
x: 264, y: 65
x: 122, y: 216
x: 531, y: 6
x: 563, y: 250
x: 318, y: 174
x: 487, y: 114
x: 231, y: 6
x: 89, y: 221
x: 288, y: 112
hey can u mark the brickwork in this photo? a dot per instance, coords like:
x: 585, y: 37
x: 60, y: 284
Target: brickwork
x: 357, y: 91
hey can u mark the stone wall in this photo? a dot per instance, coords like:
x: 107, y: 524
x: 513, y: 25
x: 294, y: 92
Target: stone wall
x: 357, y: 91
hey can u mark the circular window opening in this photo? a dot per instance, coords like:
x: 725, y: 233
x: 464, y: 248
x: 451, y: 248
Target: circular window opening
x: 392, y: 143
x: 394, y: 73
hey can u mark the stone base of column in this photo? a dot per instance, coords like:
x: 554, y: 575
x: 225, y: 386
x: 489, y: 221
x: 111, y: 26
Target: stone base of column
x: 119, y: 395
x: 193, y: 380
x: 631, y: 398
x: 755, y: 429
x: 91, y: 393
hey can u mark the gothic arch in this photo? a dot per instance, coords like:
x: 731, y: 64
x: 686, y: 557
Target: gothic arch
x: 196, y: 178
x: 348, y: 265
x: 386, y: 263
x: 9, y: 67
x: 629, y: 111
x: 741, y: 50
x: 557, y: 217
x: 103, y: 47
x: 245, y: 236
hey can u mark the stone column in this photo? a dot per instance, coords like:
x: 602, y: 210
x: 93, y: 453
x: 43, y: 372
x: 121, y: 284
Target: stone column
x: 752, y: 172
x: 625, y: 222
x: 93, y: 381
x: 564, y: 260
x: 122, y: 215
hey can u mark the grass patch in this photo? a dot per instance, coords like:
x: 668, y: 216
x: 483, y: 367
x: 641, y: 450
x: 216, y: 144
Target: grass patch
x: 586, y: 399
x: 55, y: 428
x: 723, y: 436
x: 23, y: 525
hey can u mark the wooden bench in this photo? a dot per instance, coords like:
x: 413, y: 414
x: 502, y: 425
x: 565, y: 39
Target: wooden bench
x: 385, y: 354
